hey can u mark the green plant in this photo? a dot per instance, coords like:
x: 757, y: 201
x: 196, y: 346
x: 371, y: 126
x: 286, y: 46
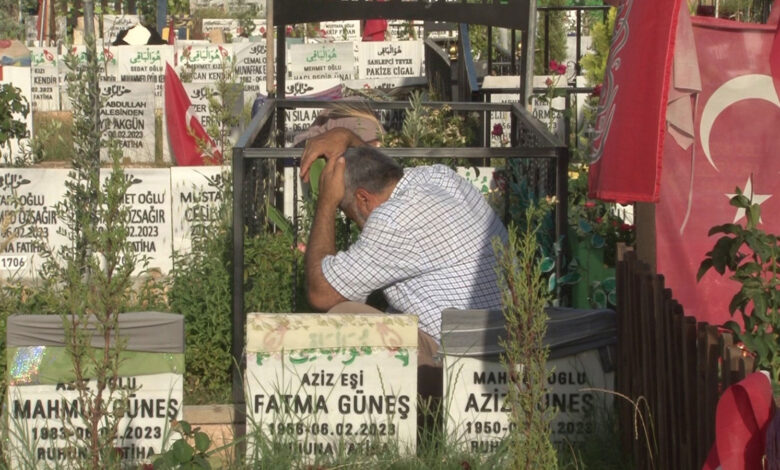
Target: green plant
x: 91, y: 275
x: 12, y: 104
x: 524, y: 297
x: 52, y: 139
x: 182, y: 455
x: 9, y: 18
x: 595, y: 63
x: 751, y: 256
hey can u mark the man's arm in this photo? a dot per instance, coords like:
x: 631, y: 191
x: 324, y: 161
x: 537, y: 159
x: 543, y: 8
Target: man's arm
x: 322, y: 240
x: 330, y: 144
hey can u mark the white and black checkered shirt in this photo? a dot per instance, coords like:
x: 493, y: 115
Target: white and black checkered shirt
x: 428, y: 246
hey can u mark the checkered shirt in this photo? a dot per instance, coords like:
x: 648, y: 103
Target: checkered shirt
x: 428, y: 247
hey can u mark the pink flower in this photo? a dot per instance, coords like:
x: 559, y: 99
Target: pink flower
x: 561, y: 69
x: 553, y: 65
x: 590, y: 204
x: 323, y: 33
x: 548, y: 82
x: 597, y: 90
x: 302, y: 247
x: 498, y: 129
x: 289, y: 30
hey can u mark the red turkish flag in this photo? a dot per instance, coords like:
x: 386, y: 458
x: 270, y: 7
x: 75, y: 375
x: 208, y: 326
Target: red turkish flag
x: 734, y: 122
x: 184, y: 128
x: 630, y: 125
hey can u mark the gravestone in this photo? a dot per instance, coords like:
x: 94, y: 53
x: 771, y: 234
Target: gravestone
x: 299, y: 119
x: 107, y: 59
x: 549, y: 109
x: 207, y: 63
x: 501, y: 120
x: 384, y: 59
x: 127, y: 117
x: 321, y: 61
x: 149, y: 215
x: 113, y: 24
x: 145, y: 64
x: 476, y: 383
x: 325, y: 384
x: 45, y: 79
x: 43, y: 408
x: 342, y: 30
x: 196, y: 193
x: 251, y: 62
x: 28, y: 200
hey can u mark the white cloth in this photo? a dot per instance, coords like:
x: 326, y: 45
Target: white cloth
x: 429, y: 246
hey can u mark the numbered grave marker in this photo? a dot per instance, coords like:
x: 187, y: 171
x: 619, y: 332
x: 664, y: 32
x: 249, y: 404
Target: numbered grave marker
x: 320, y: 385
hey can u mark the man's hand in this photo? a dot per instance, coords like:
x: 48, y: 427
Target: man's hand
x: 330, y: 144
x: 332, y: 184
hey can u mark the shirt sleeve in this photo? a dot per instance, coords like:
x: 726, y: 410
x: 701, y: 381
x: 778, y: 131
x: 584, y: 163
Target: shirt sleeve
x: 383, y: 255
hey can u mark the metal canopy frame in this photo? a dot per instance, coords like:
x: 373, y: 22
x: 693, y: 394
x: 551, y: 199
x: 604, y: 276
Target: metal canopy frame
x: 530, y: 139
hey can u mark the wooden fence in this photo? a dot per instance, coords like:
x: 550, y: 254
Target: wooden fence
x: 673, y: 368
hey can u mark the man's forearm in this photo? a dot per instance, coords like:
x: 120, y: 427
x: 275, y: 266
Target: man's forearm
x: 322, y: 242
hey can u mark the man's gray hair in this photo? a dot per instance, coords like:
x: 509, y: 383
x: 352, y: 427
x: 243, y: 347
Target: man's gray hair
x: 370, y: 169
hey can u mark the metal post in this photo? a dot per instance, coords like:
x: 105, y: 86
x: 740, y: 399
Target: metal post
x: 547, y: 41
x: 579, y: 40
x: 513, y: 52
x: 269, y: 46
x: 239, y: 319
x: 489, y: 49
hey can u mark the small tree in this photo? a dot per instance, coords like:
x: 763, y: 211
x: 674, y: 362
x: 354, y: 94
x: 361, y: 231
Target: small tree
x: 12, y: 104
x: 524, y: 297
x: 92, y: 274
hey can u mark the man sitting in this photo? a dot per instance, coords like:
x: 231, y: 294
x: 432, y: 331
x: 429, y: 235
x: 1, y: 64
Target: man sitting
x: 426, y: 237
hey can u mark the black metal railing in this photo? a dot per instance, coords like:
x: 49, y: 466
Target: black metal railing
x: 257, y: 167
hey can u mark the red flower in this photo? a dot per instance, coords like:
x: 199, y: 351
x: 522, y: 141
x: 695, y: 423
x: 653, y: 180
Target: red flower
x: 626, y: 227
x: 597, y: 90
x: 548, y: 82
x: 590, y: 204
x: 561, y: 69
x: 498, y: 129
x: 289, y: 30
x: 598, y: 220
x: 323, y: 33
x: 614, y: 223
x: 553, y: 65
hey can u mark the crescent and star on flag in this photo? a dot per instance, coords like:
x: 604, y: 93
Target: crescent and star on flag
x: 740, y: 88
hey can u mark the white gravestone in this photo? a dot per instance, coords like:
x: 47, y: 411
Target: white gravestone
x: 206, y: 64
x: 226, y: 25
x: 403, y: 30
x: 45, y: 79
x: 19, y: 77
x: 298, y: 120
x: 28, y: 202
x: 145, y: 64
x: 390, y: 59
x: 113, y: 24
x: 321, y: 61
x: 196, y: 194
x: 502, y: 118
x: 149, y: 216
x: 251, y: 61
x: 342, y: 30
x: 38, y: 413
x: 318, y: 382
x: 549, y: 110
x: 127, y: 117
x: 43, y: 408
x: 107, y: 58
x: 476, y: 382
